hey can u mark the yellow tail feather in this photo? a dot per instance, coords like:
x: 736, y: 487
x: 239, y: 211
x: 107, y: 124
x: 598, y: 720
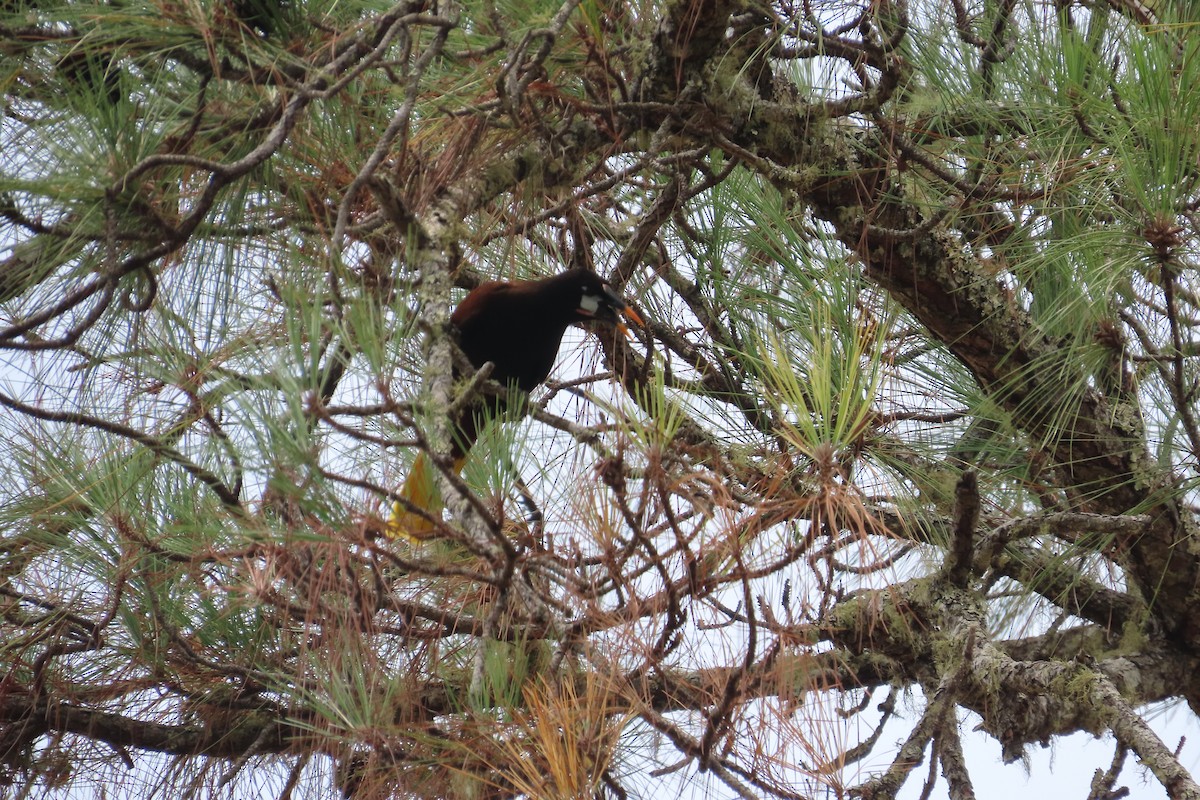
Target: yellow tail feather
x: 421, y: 490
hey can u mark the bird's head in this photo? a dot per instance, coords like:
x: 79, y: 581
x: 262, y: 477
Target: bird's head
x: 600, y: 301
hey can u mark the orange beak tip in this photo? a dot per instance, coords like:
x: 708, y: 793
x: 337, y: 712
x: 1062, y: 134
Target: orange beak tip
x: 634, y: 317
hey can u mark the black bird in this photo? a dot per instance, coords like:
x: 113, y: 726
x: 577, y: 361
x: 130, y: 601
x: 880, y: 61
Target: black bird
x: 518, y: 327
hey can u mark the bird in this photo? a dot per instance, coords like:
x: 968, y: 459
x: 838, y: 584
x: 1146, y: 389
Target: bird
x: 517, y: 327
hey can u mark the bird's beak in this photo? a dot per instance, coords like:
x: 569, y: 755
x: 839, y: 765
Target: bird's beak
x: 618, y: 304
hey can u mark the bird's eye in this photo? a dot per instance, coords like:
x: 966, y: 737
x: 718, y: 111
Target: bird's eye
x: 589, y: 304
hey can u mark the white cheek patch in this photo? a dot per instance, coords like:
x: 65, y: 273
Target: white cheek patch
x: 589, y: 304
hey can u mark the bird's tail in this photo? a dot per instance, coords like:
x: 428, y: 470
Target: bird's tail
x: 421, y: 490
